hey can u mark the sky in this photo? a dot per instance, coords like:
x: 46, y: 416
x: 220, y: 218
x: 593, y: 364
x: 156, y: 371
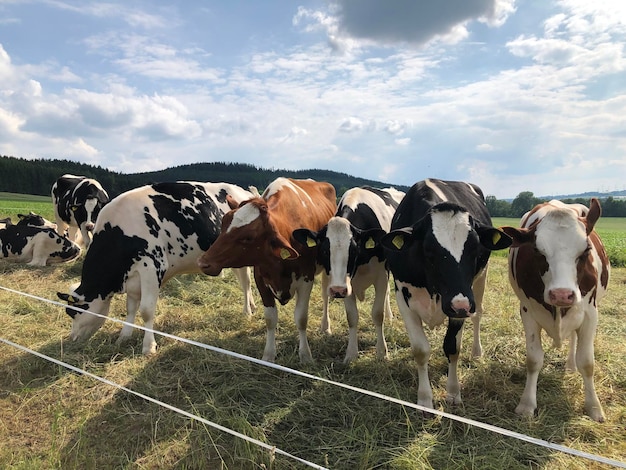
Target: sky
x: 507, y: 94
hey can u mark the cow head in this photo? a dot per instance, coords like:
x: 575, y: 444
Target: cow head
x: 341, y: 249
x: 35, y: 220
x: 557, y: 241
x: 249, y: 237
x: 84, y: 324
x: 449, y: 247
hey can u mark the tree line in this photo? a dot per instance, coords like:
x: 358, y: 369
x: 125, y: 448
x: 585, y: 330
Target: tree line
x: 18, y: 175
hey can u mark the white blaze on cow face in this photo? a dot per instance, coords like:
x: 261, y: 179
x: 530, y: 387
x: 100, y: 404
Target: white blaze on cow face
x: 451, y: 231
x: 562, y: 238
x: 90, y: 207
x: 245, y: 215
x: 339, y: 236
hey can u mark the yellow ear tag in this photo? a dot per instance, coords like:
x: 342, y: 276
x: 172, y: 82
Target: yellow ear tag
x: 71, y: 299
x: 398, y: 241
x: 284, y: 254
x: 74, y: 208
x: 496, y: 237
x: 310, y: 242
x: 369, y: 244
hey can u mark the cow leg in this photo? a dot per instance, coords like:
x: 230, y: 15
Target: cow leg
x: 243, y: 275
x: 271, y: 321
x: 570, y: 365
x: 381, y: 300
x: 325, y: 325
x: 452, y: 348
x: 388, y: 311
x: 352, y: 315
x: 86, y: 236
x: 72, y: 233
x: 585, y: 363
x: 420, y: 348
x: 301, y: 317
x: 147, y: 307
x: 534, y: 362
x: 133, y: 297
x: 478, y: 288
x: 132, y: 305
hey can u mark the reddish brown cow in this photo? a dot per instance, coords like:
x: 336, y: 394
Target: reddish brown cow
x: 559, y: 270
x: 258, y: 233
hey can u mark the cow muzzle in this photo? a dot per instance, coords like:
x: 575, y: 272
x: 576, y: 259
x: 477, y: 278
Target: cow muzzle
x: 338, y: 292
x: 209, y: 268
x: 561, y: 297
x: 461, y: 307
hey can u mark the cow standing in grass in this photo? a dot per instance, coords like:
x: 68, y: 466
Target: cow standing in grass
x: 77, y: 201
x: 437, y: 250
x: 349, y: 250
x: 259, y: 233
x: 559, y: 270
x: 143, y: 238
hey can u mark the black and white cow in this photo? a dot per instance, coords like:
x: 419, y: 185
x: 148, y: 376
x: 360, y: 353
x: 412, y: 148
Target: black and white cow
x: 32, y: 219
x: 349, y: 250
x: 77, y: 201
x: 35, y: 245
x: 437, y: 251
x: 143, y: 238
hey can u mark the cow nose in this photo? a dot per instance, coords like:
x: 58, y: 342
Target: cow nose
x: 338, y: 292
x: 561, y: 297
x: 208, y: 268
x: 90, y: 226
x: 461, y: 307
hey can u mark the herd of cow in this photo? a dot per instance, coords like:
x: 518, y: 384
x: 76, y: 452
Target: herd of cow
x: 435, y: 240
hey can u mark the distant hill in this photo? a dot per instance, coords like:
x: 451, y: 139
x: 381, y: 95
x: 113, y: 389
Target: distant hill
x: 18, y: 175
x: 588, y: 195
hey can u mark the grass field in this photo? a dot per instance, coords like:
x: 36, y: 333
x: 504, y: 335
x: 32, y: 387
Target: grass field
x: 52, y: 418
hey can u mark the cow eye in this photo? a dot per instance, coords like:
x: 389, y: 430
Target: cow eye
x: 585, y: 253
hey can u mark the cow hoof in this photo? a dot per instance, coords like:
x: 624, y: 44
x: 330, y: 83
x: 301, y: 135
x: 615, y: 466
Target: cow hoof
x: 454, y: 400
x: 525, y: 410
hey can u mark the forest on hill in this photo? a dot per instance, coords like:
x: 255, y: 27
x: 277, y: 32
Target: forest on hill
x: 18, y: 175
x: 36, y: 176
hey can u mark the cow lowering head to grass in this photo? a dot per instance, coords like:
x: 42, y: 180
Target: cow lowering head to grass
x: 259, y: 233
x: 559, y: 270
x: 349, y: 250
x: 440, y: 241
x: 143, y: 238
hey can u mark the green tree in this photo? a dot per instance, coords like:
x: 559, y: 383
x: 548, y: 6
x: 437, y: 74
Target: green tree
x: 524, y: 202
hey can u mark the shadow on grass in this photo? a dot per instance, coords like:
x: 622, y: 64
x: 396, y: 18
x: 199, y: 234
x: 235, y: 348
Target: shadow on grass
x: 313, y: 420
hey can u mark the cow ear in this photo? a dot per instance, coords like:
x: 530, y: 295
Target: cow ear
x: 595, y: 211
x: 285, y: 252
x: 398, y: 240
x: 519, y: 235
x: 370, y: 239
x: 231, y: 202
x: 306, y: 237
x: 494, y: 239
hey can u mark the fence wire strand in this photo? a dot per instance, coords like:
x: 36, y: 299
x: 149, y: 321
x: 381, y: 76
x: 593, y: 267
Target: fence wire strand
x: 460, y: 419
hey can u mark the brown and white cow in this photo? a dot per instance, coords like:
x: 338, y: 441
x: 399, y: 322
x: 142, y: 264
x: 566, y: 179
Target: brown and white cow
x: 559, y: 270
x: 258, y: 233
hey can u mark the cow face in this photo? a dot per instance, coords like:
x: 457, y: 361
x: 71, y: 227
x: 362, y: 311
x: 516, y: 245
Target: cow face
x: 248, y: 238
x: 84, y: 324
x: 558, y: 245
x: 35, y: 220
x: 341, y: 249
x: 449, y: 248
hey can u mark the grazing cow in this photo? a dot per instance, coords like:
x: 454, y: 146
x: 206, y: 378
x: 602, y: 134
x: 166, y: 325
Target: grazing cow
x: 259, y: 233
x: 351, y: 254
x: 437, y: 251
x: 142, y: 238
x: 559, y: 270
x: 77, y: 201
x: 36, y: 246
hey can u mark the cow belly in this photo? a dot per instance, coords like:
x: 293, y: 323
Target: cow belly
x: 421, y: 302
